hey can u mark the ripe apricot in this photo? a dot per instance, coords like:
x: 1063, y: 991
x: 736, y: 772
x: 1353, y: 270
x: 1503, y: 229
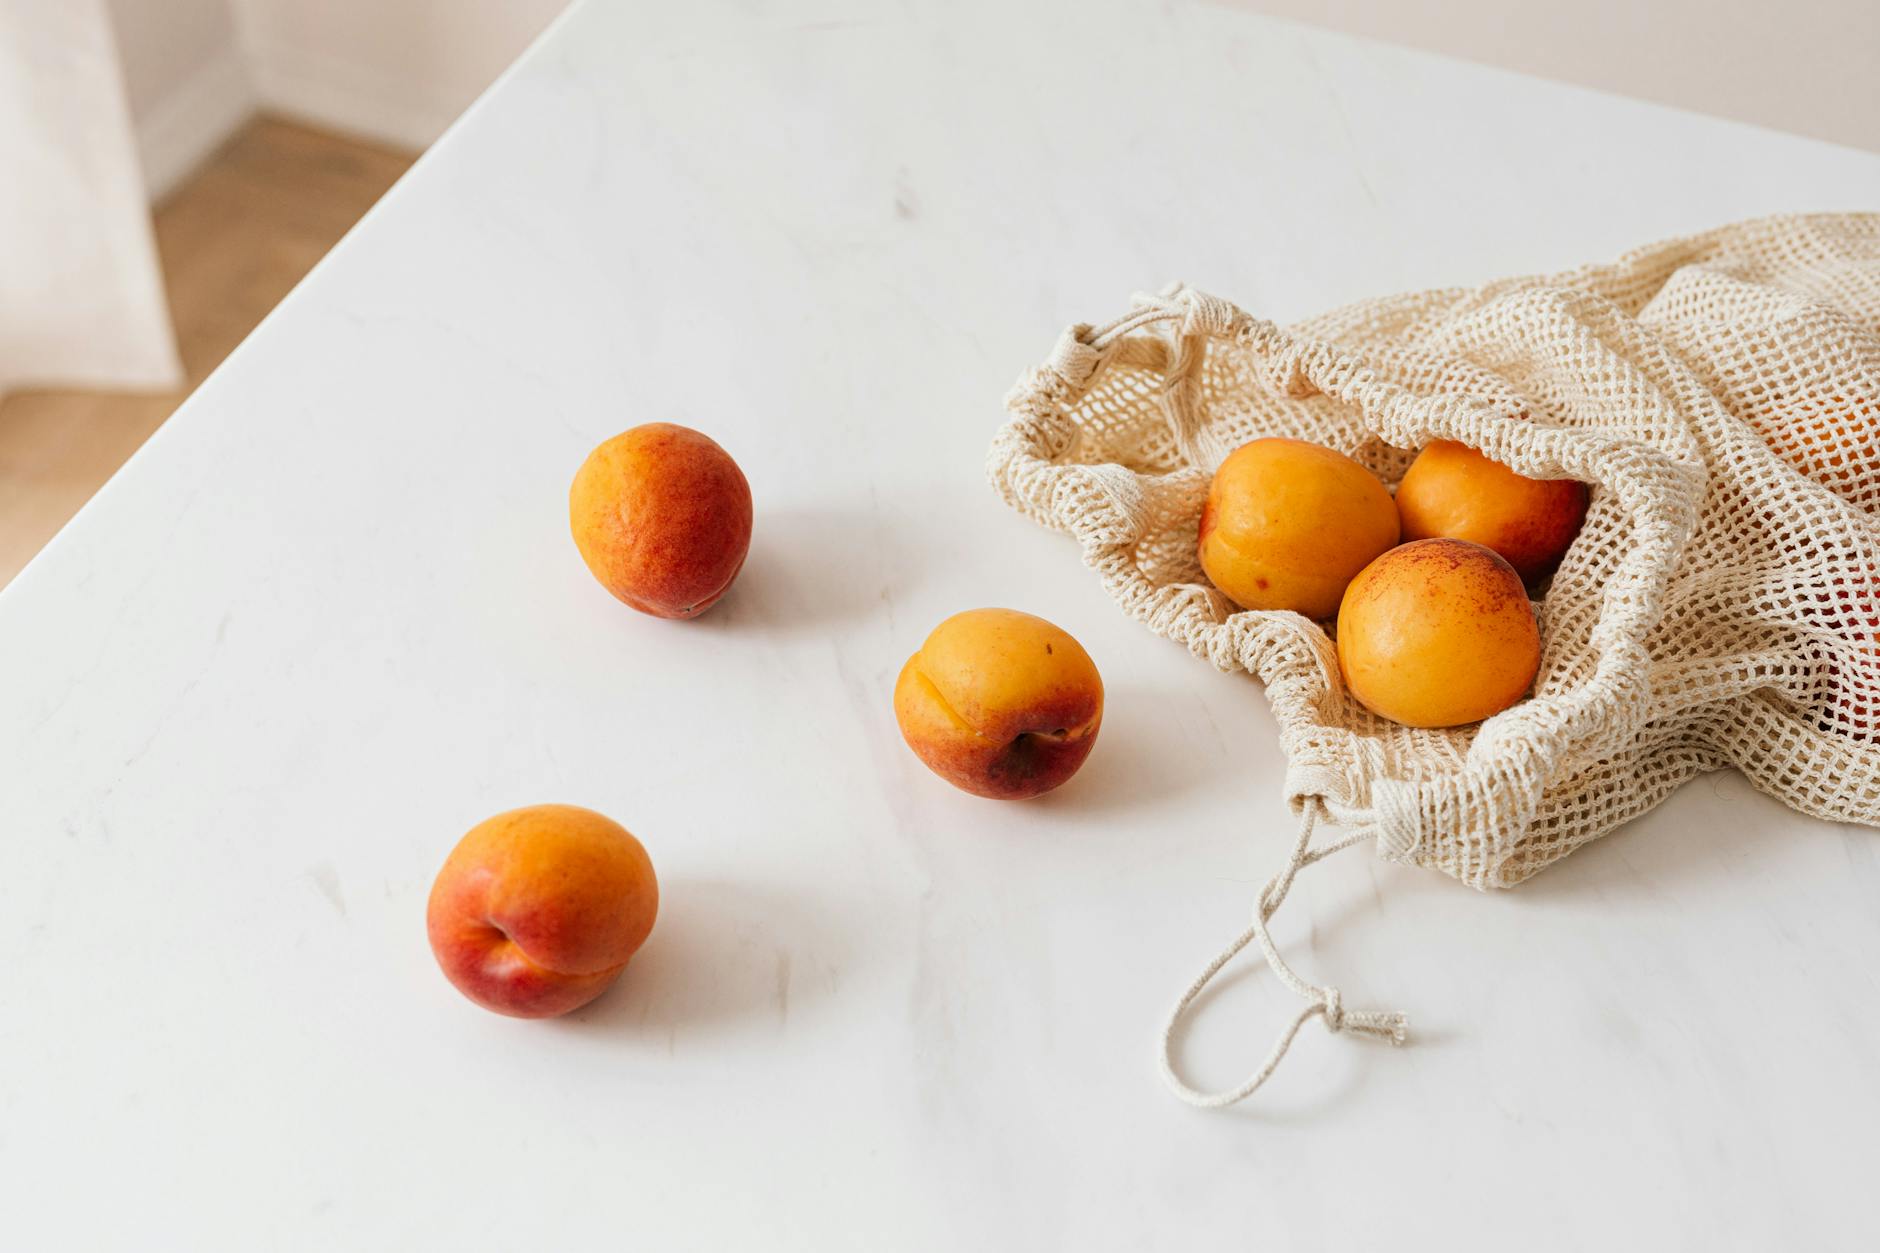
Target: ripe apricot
x: 1000, y: 703
x: 537, y: 910
x: 1832, y: 440
x: 662, y: 516
x: 1453, y: 491
x: 1854, y: 683
x: 1438, y: 633
x: 1287, y: 524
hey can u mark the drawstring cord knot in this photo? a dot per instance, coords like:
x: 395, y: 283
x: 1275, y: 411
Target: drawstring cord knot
x: 1334, y: 1010
x: 1326, y: 1003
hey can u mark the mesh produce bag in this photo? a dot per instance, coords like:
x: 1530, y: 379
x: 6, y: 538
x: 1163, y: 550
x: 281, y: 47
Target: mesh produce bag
x: 1721, y: 606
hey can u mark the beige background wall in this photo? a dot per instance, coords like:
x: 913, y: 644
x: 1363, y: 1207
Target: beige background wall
x: 399, y: 70
x: 396, y: 71
x: 185, y: 80
x: 1807, y: 66
x: 81, y: 297
x: 393, y: 70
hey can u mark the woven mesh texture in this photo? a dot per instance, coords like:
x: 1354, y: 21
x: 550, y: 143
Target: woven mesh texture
x: 1721, y: 607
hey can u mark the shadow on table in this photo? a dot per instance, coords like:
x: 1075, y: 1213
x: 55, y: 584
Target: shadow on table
x: 724, y: 956
x: 1140, y: 762
x: 1716, y: 833
x: 808, y: 569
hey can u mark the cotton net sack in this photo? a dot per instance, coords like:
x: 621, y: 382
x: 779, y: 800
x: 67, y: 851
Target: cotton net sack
x: 1721, y: 606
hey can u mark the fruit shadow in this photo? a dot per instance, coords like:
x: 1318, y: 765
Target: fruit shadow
x: 1140, y: 761
x: 808, y: 569
x: 1711, y: 835
x: 724, y: 956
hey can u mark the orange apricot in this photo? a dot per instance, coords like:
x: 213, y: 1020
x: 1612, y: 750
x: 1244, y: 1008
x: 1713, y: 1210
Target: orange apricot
x: 1000, y: 703
x: 662, y: 516
x: 538, y: 910
x: 1438, y: 633
x: 1287, y: 524
x: 1452, y: 491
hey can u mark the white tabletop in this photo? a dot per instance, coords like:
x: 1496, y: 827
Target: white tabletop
x: 331, y: 617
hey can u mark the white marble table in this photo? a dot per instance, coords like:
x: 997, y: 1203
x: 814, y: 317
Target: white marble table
x: 331, y: 617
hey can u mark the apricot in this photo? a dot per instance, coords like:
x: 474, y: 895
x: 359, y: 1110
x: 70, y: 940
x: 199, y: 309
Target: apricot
x: 538, y: 910
x: 1832, y: 440
x: 1454, y: 492
x: 1287, y: 524
x: 1438, y: 633
x: 1855, y: 687
x: 999, y: 703
x: 662, y: 516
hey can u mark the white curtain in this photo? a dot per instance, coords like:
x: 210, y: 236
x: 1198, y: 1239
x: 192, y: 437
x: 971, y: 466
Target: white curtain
x: 81, y: 295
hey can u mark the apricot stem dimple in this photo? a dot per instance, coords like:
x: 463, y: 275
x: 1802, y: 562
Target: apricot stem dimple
x: 1061, y: 735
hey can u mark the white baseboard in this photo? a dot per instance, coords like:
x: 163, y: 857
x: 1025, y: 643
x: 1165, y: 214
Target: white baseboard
x: 343, y: 95
x: 181, y: 130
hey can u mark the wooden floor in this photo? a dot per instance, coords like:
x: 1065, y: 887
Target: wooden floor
x: 234, y: 239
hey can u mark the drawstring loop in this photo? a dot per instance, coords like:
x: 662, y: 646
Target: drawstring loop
x: 1324, y: 1002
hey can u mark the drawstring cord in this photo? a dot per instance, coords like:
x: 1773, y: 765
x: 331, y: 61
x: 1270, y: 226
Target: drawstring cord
x: 1324, y: 1002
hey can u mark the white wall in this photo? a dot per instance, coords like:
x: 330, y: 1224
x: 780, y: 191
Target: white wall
x: 81, y: 299
x: 187, y: 81
x: 398, y: 71
x: 401, y: 70
x: 393, y: 70
x: 1805, y: 66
